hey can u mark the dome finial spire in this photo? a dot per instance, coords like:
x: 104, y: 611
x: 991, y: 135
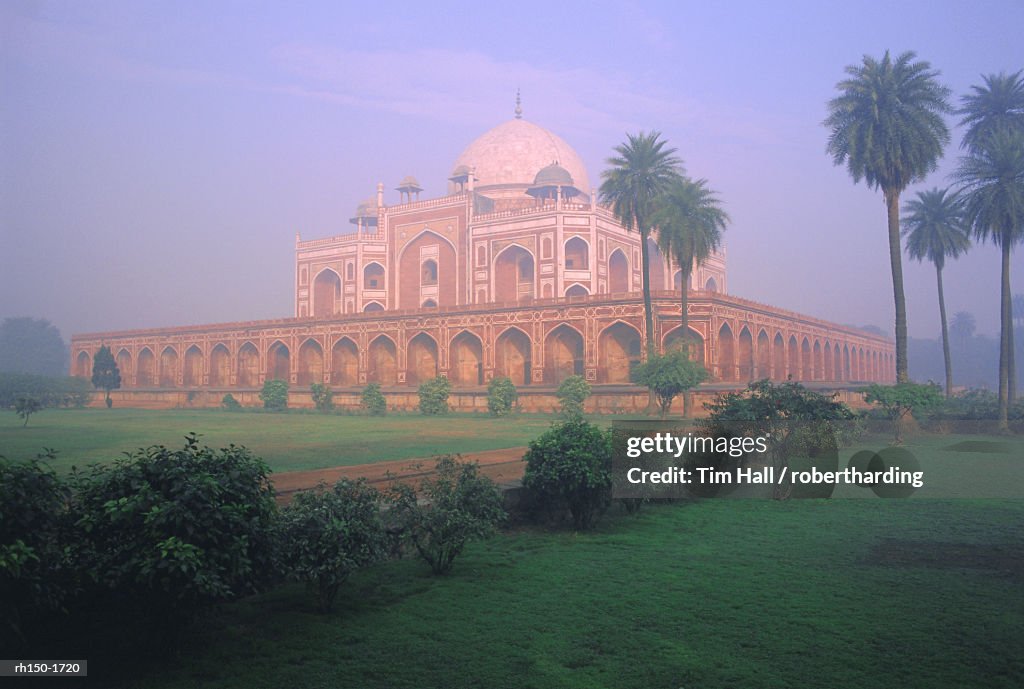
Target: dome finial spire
x: 519, y: 106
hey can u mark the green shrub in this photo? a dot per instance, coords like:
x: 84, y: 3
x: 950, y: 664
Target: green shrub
x: 373, y: 400
x: 35, y: 578
x: 454, y: 506
x: 275, y: 395
x: 501, y: 396
x: 795, y: 423
x: 570, y: 465
x: 973, y: 405
x: 66, y: 391
x: 572, y: 393
x: 328, y: 534
x: 164, y: 533
x: 434, y: 396
x: 229, y: 403
x: 900, y: 400
x: 323, y: 398
x: 667, y: 375
x: 26, y: 407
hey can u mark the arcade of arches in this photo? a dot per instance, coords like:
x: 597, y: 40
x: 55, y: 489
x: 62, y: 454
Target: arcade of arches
x: 532, y: 345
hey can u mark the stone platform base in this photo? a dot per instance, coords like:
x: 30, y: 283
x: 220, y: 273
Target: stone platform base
x: 606, y: 399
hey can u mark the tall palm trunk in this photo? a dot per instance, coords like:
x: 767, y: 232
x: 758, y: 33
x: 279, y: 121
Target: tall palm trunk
x: 645, y: 264
x: 1011, y: 355
x: 892, y: 203
x: 684, y: 301
x: 1005, y: 324
x: 945, y: 334
x: 645, y: 279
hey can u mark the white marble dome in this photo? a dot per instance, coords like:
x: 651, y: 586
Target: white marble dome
x: 514, y: 152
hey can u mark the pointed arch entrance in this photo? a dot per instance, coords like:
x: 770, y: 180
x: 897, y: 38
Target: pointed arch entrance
x: 146, y: 376
x: 422, y: 353
x: 563, y: 354
x: 466, y: 360
x: 279, y: 362
x: 345, y: 362
x: 618, y: 349
x: 220, y: 366
x: 311, y: 364
x: 512, y: 357
x: 248, y: 366
x: 383, y: 361
x: 726, y: 354
x: 618, y: 272
x: 193, y: 369
x: 168, y: 368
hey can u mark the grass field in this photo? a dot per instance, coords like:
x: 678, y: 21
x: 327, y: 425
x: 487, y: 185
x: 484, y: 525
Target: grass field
x: 716, y: 594
x: 845, y: 593
x: 288, y: 442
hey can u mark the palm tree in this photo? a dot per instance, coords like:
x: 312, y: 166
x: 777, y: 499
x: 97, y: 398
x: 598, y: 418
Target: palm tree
x: 999, y: 104
x: 996, y: 106
x: 641, y: 171
x: 690, y: 223
x: 934, y: 228
x: 991, y: 176
x: 887, y: 127
x: 963, y: 326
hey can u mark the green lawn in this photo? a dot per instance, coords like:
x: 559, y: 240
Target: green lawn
x: 740, y: 593
x: 725, y: 593
x: 288, y: 442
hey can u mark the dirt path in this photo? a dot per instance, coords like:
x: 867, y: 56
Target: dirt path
x: 501, y: 466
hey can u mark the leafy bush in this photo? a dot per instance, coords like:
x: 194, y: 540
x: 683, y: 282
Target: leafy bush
x: 66, y: 391
x: 795, y: 422
x: 434, y: 396
x: 974, y: 405
x: 668, y: 375
x: 571, y: 464
x: 572, y: 393
x: 323, y: 398
x: 501, y: 396
x: 275, y: 395
x: 453, y: 507
x: 229, y: 403
x: 328, y: 534
x: 900, y: 400
x: 34, y: 575
x: 26, y: 407
x: 164, y: 532
x: 373, y: 400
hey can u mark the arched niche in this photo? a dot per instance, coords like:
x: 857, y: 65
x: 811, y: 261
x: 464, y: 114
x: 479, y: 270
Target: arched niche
x: 466, y: 359
x: 248, y: 366
x: 577, y: 254
x: 192, y: 376
x: 220, y: 366
x: 563, y: 354
x: 512, y: 356
x: 311, y: 364
x: 514, y: 275
x: 423, y: 359
x: 279, y: 362
x: 345, y: 362
x: 168, y: 368
x: 383, y: 361
x: 618, y: 272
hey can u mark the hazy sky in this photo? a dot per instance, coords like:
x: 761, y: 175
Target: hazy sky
x: 157, y: 159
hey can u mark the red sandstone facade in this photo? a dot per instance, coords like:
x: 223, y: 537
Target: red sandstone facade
x: 517, y: 272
